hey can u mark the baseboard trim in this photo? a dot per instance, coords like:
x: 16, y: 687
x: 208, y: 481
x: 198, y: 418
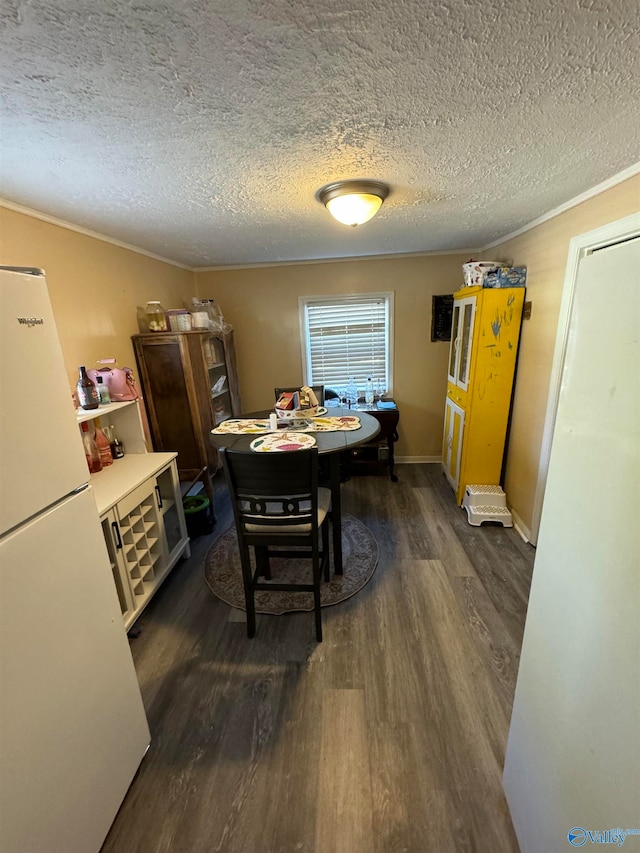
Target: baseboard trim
x: 521, y: 527
x: 418, y: 460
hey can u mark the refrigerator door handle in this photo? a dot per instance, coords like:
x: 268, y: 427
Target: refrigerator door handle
x: 116, y: 530
x: 159, y: 497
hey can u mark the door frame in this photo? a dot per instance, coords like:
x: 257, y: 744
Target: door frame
x: 579, y: 247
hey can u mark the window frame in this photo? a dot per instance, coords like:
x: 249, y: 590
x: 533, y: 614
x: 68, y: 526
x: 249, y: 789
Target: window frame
x: 345, y: 299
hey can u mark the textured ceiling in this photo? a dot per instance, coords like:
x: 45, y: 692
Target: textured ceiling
x: 200, y: 130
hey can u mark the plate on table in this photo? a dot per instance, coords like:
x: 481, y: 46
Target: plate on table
x: 282, y: 442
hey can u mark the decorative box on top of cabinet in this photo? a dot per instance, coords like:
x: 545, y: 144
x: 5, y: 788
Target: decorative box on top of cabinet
x: 484, y: 344
x: 140, y: 508
x: 190, y: 386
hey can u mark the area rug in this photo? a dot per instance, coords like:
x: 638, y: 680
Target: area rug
x: 223, y: 572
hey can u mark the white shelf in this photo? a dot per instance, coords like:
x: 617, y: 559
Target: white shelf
x: 116, y: 481
x: 101, y: 411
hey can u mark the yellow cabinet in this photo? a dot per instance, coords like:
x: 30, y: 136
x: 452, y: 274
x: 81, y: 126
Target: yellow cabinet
x: 484, y: 344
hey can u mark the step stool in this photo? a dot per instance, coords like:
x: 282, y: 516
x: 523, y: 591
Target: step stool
x: 486, y: 503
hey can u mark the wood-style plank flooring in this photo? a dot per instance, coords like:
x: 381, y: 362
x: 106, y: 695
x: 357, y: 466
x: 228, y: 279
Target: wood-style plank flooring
x: 388, y: 736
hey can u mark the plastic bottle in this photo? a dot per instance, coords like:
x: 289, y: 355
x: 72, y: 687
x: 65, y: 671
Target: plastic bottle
x: 90, y: 450
x: 103, y: 391
x: 368, y: 392
x: 87, y: 391
x: 156, y: 317
x: 103, y: 445
x: 352, y: 392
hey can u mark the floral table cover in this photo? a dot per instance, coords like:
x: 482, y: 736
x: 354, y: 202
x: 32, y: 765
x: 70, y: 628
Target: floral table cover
x: 245, y: 426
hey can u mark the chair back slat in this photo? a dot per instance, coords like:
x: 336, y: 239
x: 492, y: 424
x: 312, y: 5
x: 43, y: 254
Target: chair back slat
x: 273, y: 489
x: 275, y: 502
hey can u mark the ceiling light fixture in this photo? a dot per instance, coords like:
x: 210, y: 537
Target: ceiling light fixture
x: 353, y: 202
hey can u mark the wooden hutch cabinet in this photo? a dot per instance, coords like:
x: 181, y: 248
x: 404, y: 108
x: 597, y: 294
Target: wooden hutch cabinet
x: 190, y: 385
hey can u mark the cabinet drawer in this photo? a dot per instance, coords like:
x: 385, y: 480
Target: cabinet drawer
x: 135, y: 498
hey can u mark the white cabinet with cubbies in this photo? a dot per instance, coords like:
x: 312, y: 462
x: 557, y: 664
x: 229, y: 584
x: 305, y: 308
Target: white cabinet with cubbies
x: 140, y: 507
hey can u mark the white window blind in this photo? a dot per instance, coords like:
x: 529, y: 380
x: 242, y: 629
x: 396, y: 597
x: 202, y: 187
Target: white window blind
x: 347, y: 336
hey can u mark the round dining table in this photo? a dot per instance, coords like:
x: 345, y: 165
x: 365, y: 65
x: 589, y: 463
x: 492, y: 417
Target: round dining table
x: 330, y: 445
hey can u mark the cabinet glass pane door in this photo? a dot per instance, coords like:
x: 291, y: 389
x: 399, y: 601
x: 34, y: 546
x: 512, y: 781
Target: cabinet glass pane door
x: 168, y: 496
x: 218, y: 380
x: 172, y: 528
x: 462, y: 376
x: 455, y: 325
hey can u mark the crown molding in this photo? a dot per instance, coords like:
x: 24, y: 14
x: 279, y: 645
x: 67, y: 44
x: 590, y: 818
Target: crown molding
x: 613, y: 181
x: 300, y: 263
x: 616, y: 179
x: 62, y: 223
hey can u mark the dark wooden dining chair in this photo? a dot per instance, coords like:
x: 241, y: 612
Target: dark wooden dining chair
x: 317, y: 389
x: 276, y: 501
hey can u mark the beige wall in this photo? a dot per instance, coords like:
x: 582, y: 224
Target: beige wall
x: 543, y: 250
x: 262, y: 306
x: 94, y: 286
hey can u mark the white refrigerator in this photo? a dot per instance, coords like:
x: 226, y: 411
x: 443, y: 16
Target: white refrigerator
x: 72, y: 725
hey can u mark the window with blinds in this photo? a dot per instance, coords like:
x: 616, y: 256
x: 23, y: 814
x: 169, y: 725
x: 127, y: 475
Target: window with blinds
x: 347, y: 336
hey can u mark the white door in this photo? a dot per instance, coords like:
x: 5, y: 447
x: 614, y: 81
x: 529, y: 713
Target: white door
x: 573, y: 756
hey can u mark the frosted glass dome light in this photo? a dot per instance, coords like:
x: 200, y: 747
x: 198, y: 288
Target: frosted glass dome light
x: 353, y: 202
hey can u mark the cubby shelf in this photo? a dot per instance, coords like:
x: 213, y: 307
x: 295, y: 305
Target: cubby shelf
x: 140, y: 507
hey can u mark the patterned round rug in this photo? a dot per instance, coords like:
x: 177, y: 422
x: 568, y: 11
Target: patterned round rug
x: 223, y: 573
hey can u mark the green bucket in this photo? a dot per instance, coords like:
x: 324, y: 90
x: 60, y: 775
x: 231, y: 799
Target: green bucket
x: 197, y: 513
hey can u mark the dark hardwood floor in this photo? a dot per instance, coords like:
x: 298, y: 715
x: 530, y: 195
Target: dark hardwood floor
x: 388, y: 736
